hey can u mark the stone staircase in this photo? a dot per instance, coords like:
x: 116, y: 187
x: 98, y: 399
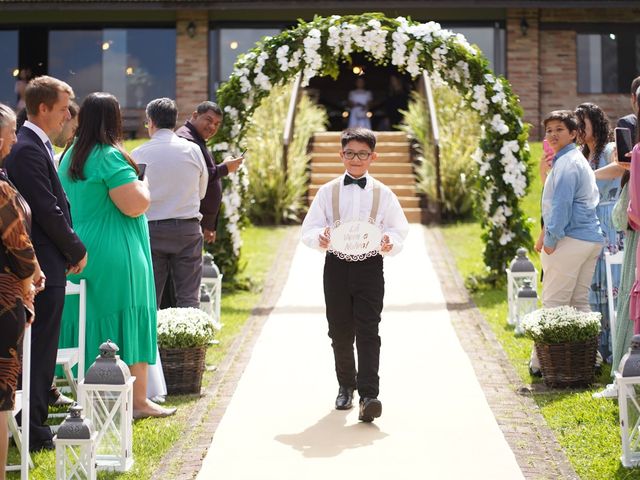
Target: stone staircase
x: 393, y: 167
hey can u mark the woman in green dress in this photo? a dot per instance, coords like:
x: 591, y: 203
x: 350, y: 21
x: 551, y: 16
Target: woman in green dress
x: 107, y: 205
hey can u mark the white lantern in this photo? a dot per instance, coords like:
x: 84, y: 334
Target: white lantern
x: 520, y: 269
x: 628, y: 382
x: 526, y: 302
x: 212, y: 278
x: 107, y: 396
x: 75, y: 447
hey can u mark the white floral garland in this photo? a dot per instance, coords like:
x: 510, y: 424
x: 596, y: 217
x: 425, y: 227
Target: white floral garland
x: 412, y: 47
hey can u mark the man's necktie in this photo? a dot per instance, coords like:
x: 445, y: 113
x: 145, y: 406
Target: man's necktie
x: 50, y: 148
x: 361, y: 182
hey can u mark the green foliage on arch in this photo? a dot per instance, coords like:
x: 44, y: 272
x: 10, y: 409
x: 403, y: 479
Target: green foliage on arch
x: 319, y: 47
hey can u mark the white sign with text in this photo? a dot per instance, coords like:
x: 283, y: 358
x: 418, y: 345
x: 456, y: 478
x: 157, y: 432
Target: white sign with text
x: 355, y: 240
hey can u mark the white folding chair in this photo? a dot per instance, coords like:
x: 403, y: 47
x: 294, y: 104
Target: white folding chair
x: 69, y: 357
x: 21, y: 435
x: 609, y: 260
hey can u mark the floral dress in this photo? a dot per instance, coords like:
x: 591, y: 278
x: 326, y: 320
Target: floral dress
x: 17, y: 262
x: 614, y: 242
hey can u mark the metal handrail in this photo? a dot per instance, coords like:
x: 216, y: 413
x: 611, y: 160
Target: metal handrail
x: 435, y: 132
x: 287, y: 135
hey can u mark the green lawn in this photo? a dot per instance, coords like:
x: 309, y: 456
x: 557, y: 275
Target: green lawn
x: 152, y: 438
x: 586, y: 428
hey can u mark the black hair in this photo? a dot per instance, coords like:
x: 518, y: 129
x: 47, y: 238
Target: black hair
x: 600, y: 126
x: 565, y: 116
x: 163, y: 112
x: 207, y: 106
x: 363, y: 135
x: 99, y: 123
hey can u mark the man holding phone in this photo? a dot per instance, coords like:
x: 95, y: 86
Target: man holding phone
x: 204, y: 124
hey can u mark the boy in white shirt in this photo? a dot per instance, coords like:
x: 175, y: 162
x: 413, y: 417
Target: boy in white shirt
x: 354, y: 286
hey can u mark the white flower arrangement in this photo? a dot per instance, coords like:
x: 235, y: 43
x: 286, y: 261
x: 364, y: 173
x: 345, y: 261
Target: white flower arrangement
x: 560, y: 325
x: 184, y: 328
x: 318, y: 47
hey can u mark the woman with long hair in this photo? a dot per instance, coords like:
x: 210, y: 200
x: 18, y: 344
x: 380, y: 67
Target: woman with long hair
x: 20, y: 280
x: 108, y: 204
x: 594, y: 135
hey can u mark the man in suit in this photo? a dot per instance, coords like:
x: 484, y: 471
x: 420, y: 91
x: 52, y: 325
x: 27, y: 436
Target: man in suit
x: 31, y: 168
x: 631, y: 121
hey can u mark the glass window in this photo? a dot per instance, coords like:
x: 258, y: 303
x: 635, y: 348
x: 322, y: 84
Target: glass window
x: 608, y: 61
x: 490, y: 39
x: 597, y: 63
x: 136, y: 64
x: 226, y: 44
x: 8, y: 66
x: 76, y: 57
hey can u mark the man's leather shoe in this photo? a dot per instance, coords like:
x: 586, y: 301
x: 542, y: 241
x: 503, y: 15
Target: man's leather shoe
x: 44, y: 445
x: 370, y: 408
x: 344, y: 400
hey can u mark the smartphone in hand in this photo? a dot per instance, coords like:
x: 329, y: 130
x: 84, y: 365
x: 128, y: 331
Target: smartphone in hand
x: 142, y: 167
x: 623, y: 144
x: 548, y: 151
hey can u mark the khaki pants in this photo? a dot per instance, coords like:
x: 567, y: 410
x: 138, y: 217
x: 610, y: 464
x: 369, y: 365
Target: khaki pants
x: 568, y: 272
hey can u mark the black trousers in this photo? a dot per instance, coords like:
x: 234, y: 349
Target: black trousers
x: 354, y: 294
x: 45, y: 332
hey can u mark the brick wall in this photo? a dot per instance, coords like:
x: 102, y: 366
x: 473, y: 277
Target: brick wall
x: 522, y: 63
x: 559, y: 87
x: 542, y: 66
x: 192, y: 61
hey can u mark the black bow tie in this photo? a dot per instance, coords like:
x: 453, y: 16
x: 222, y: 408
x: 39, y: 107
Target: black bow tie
x: 361, y: 182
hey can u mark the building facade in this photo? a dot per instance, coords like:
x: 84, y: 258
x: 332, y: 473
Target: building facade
x: 555, y: 54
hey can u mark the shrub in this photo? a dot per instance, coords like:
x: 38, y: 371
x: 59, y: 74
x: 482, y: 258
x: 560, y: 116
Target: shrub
x: 459, y: 134
x: 276, y: 196
x: 560, y: 325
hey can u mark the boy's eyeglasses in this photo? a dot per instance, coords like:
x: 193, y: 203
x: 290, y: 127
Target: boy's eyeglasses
x: 350, y: 154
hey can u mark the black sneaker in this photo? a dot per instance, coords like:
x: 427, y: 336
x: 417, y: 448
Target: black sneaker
x: 370, y: 408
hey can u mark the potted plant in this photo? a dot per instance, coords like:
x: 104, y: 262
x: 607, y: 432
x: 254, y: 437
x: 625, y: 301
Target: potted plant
x: 566, y: 343
x: 183, y: 336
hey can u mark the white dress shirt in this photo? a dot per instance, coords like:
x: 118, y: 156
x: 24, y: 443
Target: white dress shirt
x: 355, y: 204
x: 177, y: 175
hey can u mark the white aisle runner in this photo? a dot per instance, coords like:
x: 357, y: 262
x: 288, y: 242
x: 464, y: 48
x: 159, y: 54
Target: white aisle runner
x: 435, y: 422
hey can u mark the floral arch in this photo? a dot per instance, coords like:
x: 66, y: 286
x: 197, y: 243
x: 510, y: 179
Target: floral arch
x: 317, y: 48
